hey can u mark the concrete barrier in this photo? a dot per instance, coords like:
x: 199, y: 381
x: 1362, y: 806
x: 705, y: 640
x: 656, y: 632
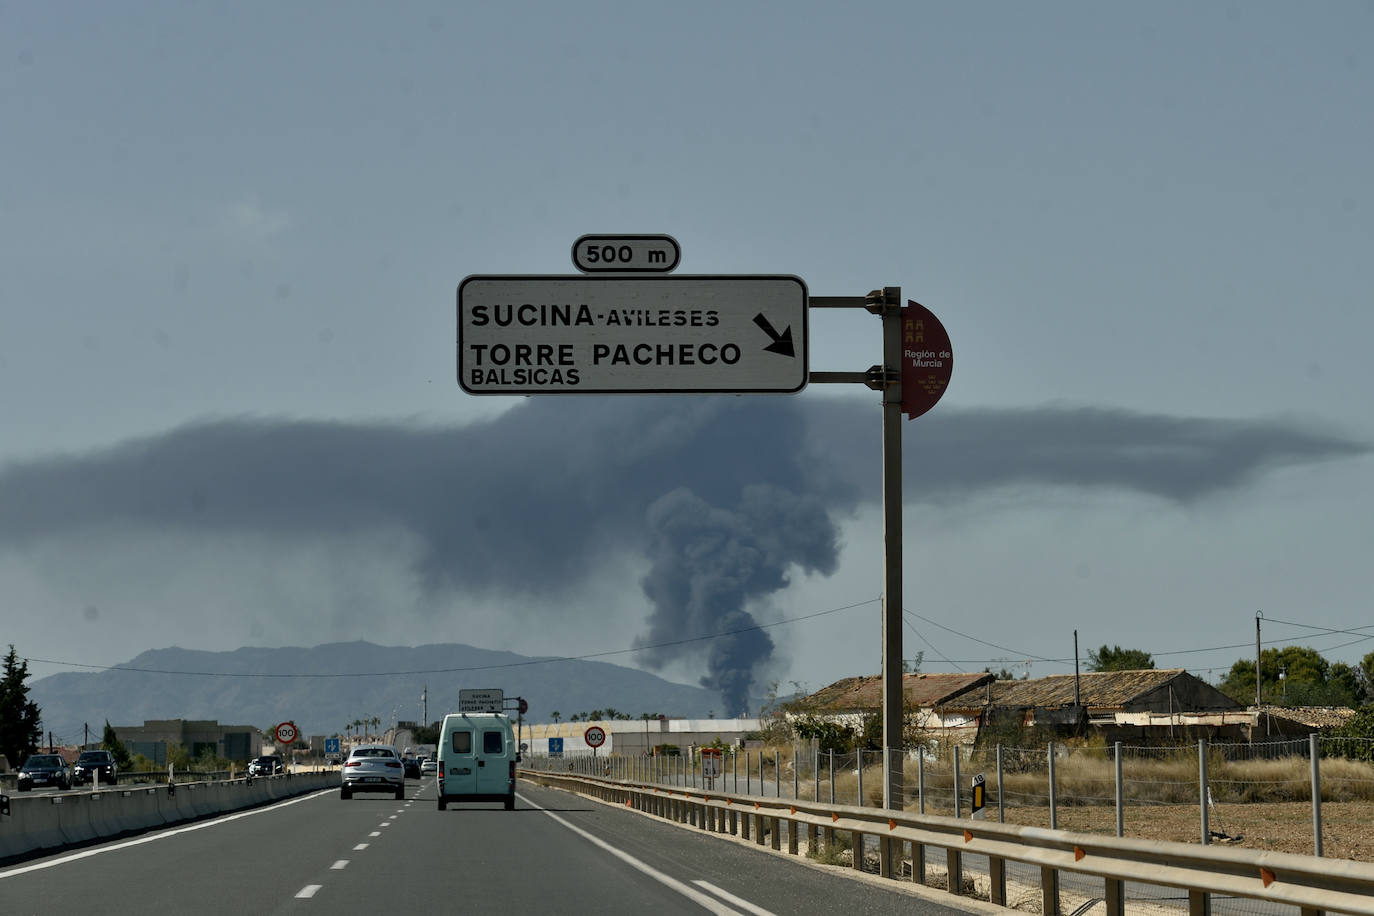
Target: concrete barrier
x: 104, y: 819
x: 137, y: 811
x: 33, y: 824
x: 74, y: 818
x: 50, y: 822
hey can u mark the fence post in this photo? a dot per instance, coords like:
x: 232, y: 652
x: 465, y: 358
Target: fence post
x: 1316, y: 796
x: 777, y: 773
x: 796, y: 779
x: 832, y: 776
x: 859, y: 771
x: 1120, y: 797
x: 1054, y: 806
x: 921, y: 777
x: 1001, y: 812
x: 1202, y: 787
x: 957, y: 799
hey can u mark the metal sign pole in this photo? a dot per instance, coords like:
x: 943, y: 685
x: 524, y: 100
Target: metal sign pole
x: 891, y: 311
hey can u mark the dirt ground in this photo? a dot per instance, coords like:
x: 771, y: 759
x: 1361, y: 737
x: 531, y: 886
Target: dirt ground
x: 1276, y: 826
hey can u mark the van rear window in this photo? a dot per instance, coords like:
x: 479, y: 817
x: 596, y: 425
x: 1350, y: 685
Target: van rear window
x: 493, y: 742
x: 462, y: 742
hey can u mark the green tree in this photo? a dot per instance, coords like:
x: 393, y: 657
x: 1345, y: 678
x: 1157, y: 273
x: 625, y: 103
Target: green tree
x: 555, y: 716
x: 1365, y: 674
x: 21, y: 725
x: 829, y: 734
x: 110, y: 741
x: 1361, y: 729
x: 1115, y: 658
x: 1308, y: 679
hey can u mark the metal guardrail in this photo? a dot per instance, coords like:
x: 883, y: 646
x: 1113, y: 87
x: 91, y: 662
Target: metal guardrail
x: 1313, y: 884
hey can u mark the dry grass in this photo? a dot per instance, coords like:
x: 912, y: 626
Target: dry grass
x: 1088, y: 778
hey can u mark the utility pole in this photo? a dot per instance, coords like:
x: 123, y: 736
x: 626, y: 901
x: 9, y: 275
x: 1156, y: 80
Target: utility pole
x: 1076, y: 697
x: 1259, y: 615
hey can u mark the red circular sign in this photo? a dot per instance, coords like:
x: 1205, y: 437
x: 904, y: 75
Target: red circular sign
x: 595, y: 736
x: 286, y: 733
x: 927, y: 359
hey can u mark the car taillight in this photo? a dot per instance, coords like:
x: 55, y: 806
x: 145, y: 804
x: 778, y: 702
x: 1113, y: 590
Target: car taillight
x: 392, y: 763
x: 353, y: 763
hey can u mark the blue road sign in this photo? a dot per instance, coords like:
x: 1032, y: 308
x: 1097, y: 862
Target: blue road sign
x: 555, y: 747
x: 331, y: 745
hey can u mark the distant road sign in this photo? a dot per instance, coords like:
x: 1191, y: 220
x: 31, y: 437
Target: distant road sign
x: 555, y: 747
x: 632, y: 335
x: 602, y: 253
x: 286, y: 733
x: 332, y: 746
x: 595, y: 736
x: 488, y: 699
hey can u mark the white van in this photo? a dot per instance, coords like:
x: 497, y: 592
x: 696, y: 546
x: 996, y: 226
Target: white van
x: 477, y: 757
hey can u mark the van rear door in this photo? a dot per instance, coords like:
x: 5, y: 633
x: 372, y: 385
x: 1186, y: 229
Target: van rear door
x: 461, y: 770
x: 493, y: 764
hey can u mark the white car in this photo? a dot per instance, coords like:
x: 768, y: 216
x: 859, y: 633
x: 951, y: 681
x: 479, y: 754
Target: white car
x: 429, y: 766
x: 373, y: 768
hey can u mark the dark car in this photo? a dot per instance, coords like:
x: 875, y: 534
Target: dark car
x: 93, y: 764
x: 44, y: 770
x: 266, y: 765
x: 412, y: 765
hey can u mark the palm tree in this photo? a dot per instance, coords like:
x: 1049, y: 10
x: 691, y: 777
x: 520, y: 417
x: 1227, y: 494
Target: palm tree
x: 555, y: 715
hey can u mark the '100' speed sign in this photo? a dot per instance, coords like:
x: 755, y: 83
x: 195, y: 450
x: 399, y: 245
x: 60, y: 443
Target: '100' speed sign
x: 594, y: 736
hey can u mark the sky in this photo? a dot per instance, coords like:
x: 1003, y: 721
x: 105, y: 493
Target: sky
x: 231, y: 239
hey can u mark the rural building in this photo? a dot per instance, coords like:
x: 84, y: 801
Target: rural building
x: 1153, y: 704
x: 155, y: 736
x: 931, y: 701
x: 638, y: 736
x: 1116, y: 705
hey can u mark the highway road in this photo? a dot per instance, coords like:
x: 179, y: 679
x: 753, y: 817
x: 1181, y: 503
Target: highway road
x: 556, y: 853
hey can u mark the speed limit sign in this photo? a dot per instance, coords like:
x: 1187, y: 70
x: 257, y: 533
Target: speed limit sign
x: 595, y: 736
x: 286, y: 733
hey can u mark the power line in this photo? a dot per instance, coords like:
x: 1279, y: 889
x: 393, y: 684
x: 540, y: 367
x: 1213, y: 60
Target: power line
x: 921, y: 636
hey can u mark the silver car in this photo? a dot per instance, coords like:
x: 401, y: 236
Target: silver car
x: 373, y: 768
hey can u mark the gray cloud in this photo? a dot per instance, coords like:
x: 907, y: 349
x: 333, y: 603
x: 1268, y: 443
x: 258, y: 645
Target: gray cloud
x: 721, y: 495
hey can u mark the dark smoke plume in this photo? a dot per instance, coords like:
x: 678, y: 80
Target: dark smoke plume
x: 723, y: 495
x: 709, y: 563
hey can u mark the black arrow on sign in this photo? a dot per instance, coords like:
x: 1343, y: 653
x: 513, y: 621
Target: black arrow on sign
x: 782, y: 343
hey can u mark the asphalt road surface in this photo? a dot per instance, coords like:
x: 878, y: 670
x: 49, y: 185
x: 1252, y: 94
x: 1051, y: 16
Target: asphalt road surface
x: 556, y: 853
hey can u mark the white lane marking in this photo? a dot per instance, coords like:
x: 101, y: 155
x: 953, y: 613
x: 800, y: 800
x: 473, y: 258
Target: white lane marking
x: 384, y: 824
x: 696, y: 896
x: 308, y: 891
x: 393, y: 817
x: 360, y: 847
x: 731, y: 898
x: 339, y: 865
x: 25, y: 869
x: 375, y: 833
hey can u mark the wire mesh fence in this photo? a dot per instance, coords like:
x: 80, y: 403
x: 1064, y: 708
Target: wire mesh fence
x: 1259, y: 795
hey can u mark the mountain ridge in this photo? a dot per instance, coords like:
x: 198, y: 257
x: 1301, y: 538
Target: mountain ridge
x: 323, y: 688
